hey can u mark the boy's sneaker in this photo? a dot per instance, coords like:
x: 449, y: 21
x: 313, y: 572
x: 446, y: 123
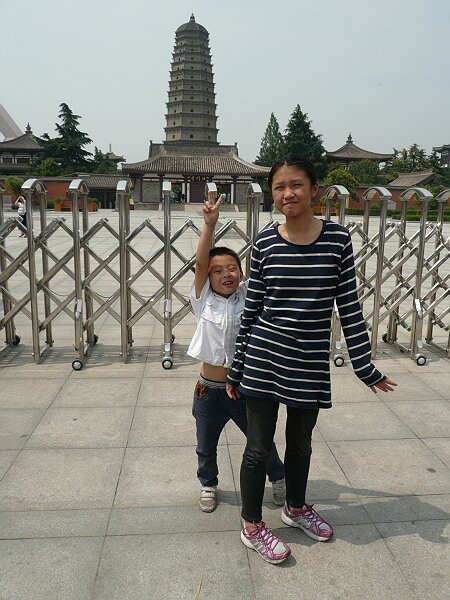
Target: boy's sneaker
x: 266, y: 544
x: 279, y: 492
x: 309, y: 521
x: 208, y: 498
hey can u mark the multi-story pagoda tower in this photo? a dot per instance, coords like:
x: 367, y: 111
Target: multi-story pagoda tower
x: 190, y: 155
x: 191, y: 108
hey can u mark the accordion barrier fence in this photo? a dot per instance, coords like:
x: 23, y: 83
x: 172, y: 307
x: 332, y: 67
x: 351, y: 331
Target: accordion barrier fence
x: 403, y: 274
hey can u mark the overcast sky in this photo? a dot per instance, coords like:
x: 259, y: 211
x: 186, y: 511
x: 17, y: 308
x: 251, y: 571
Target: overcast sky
x: 378, y: 69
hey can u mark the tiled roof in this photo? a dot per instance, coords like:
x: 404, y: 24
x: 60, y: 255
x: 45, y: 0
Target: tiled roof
x: 191, y: 25
x: 27, y: 141
x: 407, y: 180
x: 351, y: 151
x: 102, y: 182
x: 196, y: 161
x: 114, y: 157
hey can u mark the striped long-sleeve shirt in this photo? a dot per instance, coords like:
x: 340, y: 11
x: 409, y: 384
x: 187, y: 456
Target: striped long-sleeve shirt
x: 283, y: 346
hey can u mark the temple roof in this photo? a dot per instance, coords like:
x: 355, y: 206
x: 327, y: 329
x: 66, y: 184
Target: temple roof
x: 26, y: 142
x: 114, y: 157
x: 407, y: 180
x: 194, y: 160
x: 192, y: 26
x: 350, y: 151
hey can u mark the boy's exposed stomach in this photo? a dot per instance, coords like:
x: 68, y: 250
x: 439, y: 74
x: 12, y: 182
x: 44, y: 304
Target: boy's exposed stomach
x: 214, y: 373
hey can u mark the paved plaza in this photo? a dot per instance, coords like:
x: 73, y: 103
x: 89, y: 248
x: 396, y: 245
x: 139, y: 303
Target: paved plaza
x: 98, y: 489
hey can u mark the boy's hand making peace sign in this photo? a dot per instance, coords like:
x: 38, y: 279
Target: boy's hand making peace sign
x: 211, y: 209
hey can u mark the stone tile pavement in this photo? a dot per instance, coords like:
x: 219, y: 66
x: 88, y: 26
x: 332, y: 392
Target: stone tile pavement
x: 98, y: 493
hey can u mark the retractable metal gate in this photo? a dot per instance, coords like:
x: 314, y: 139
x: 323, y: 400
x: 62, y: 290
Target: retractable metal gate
x: 403, y: 276
x: 167, y: 291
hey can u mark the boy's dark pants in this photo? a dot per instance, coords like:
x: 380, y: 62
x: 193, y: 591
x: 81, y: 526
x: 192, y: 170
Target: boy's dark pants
x: 212, y: 409
x: 262, y: 416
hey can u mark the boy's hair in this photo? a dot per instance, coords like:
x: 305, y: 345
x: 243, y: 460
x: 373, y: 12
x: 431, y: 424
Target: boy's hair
x: 220, y: 250
x: 294, y: 160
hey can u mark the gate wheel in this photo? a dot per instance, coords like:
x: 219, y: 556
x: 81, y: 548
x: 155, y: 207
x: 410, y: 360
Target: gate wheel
x: 339, y: 361
x: 167, y: 363
x: 77, y: 365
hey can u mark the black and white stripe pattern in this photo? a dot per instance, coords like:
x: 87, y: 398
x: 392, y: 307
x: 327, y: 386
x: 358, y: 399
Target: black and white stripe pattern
x: 282, y: 350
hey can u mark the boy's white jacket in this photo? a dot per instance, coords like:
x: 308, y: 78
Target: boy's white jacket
x: 218, y: 322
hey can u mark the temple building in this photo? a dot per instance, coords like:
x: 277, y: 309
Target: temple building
x: 191, y: 154
x: 350, y: 152
x: 444, y: 151
x: 17, y: 153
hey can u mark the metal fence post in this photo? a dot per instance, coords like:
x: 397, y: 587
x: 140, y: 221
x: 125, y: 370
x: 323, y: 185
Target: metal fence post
x: 77, y: 187
x: 11, y: 339
x: 442, y: 200
x: 391, y: 334
x: 29, y: 187
x: 122, y: 199
x: 167, y: 361
x: 384, y: 196
x: 254, y: 195
x: 416, y: 344
x: 342, y: 194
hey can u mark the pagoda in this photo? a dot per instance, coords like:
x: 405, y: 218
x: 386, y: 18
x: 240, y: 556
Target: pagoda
x: 191, y: 155
x: 350, y: 152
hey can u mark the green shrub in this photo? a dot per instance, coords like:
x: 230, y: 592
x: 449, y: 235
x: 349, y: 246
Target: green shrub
x: 50, y: 204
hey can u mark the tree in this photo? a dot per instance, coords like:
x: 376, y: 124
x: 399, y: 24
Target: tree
x: 101, y: 164
x: 68, y: 148
x: 409, y: 161
x: 366, y: 172
x: 272, y: 146
x: 48, y: 167
x: 14, y: 184
x: 337, y: 175
x: 300, y: 139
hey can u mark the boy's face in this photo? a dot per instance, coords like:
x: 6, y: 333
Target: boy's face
x: 224, y: 275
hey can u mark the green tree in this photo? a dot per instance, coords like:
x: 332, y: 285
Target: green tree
x: 272, y: 146
x: 68, y: 147
x: 410, y: 160
x: 366, y: 172
x: 300, y: 139
x: 337, y: 175
x: 14, y: 184
x: 101, y: 164
x: 47, y: 167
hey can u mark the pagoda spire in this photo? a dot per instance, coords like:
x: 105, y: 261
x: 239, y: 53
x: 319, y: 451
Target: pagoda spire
x: 191, y: 109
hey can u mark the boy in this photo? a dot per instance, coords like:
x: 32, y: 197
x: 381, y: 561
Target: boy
x: 217, y: 298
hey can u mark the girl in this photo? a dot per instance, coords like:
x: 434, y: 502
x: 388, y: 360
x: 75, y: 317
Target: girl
x: 298, y: 270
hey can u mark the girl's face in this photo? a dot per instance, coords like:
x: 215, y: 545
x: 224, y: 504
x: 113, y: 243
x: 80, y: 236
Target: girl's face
x: 292, y: 192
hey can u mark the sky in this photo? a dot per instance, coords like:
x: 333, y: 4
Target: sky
x: 378, y: 69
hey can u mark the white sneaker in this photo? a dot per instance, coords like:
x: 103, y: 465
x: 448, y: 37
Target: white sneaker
x: 208, y: 498
x: 279, y: 492
x: 266, y: 544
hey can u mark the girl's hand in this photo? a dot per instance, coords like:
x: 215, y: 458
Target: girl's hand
x: 387, y: 385
x: 211, y: 209
x: 232, y: 391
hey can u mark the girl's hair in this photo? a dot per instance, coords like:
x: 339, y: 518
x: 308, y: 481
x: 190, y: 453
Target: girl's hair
x: 294, y: 160
x: 220, y: 250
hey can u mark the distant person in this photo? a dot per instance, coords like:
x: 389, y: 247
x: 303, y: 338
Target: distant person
x: 299, y: 269
x: 22, y: 212
x: 217, y: 299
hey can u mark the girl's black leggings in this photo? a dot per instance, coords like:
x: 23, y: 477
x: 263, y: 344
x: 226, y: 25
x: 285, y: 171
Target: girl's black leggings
x: 262, y: 416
